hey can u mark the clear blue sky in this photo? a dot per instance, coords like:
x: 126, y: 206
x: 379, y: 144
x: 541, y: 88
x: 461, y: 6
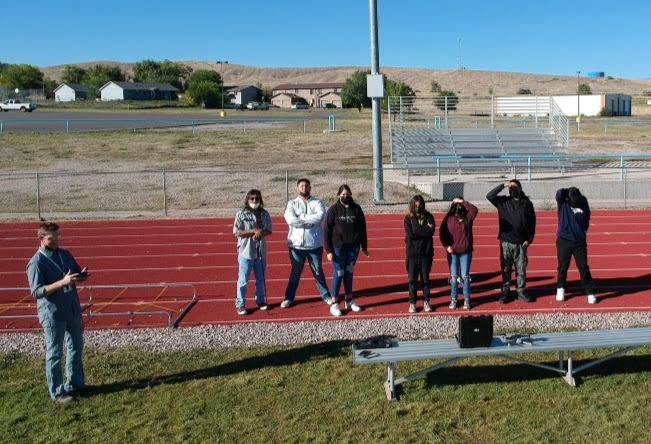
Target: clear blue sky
x: 540, y: 37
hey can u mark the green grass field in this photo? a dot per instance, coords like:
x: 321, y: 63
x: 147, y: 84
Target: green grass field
x: 313, y: 393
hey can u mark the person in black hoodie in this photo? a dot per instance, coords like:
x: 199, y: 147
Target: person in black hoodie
x: 517, y: 229
x: 419, y: 230
x: 571, y: 240
x: 345, y: 234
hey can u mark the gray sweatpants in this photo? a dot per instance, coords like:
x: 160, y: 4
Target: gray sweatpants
x: 514, y: 254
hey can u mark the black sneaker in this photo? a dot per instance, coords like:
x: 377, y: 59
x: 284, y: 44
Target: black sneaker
x: 523, y: 296
x: 505, y: 298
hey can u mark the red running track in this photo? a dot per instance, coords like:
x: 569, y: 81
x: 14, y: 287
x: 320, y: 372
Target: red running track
x: 202, y: 252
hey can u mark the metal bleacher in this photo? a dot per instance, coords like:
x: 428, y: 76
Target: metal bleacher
x: 477, y: 149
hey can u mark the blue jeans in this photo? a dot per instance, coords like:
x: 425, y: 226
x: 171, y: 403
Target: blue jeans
x: 259, y: 268
x: 315, y: 258
x: 459, y: 262
x: 55, y: 332
x: 343, y: 265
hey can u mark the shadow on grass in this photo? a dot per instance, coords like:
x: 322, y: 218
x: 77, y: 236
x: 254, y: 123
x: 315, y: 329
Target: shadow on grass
x: 300, y: 355
x: 494, y: 373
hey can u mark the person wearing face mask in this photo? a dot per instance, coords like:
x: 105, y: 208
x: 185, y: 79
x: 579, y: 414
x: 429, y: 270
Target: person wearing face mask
x: 52, y: 273
x: 252, y: 225
x: 304, y: 216
x: 345, y: 234
x: 419, y: 230
x: 456, y: 237
x: 517, y: 228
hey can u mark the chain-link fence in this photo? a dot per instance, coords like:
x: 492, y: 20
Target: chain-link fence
x: 28, y: 95
x: 609, y: 182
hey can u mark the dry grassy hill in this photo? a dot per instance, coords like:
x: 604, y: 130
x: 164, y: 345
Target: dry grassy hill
x: 463, y: 82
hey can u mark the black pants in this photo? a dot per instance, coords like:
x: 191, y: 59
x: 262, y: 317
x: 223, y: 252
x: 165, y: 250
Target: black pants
x: 415, y: 268
x: 565, y: 249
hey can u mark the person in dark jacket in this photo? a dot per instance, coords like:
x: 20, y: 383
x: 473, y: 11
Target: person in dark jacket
x: 571, y: 240
x: 345, y: 234
x: 419, y: 229
x: 457, y: 239
x: 517, y: 220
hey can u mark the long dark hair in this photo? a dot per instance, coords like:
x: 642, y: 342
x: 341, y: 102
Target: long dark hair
x: 412, y: 206
x: 253, y: 192
x: 457, y: 210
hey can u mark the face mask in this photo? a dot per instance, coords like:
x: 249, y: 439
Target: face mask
x: 345, y: 200
x: 420, y: 210
x: 254, y: 206
x: 515, y: 193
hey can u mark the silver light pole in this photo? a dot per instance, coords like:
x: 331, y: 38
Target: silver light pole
x: 221, y: 75
x: 378, y: 174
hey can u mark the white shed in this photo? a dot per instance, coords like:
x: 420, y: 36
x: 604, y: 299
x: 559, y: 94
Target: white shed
x: 70, y: 92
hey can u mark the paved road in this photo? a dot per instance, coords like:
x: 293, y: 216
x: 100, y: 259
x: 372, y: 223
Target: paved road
x: 61, y: 122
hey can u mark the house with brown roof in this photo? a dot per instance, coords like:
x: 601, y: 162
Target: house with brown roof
x: 315, y: 94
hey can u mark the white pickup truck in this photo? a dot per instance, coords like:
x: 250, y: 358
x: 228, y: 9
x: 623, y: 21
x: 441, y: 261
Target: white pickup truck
x: 17, y: 105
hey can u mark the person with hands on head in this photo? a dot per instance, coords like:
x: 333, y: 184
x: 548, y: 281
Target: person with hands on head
x: 456, y: 237
x: 572, y: 240
x: 419, y: 230
x: 252, y: 224
x: 517, y: 228
x: 345, y: 234
x: 52, y: 274
x: 304, y: 216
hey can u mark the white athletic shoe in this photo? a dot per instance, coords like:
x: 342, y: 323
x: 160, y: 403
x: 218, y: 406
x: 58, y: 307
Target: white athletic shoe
x: 351, y: 305
x: 286, y: 303
x: 334, y: 310
x: 560, y: 294
x: 592, y: 299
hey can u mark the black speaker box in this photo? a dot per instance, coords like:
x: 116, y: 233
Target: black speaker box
x: 475, y: 331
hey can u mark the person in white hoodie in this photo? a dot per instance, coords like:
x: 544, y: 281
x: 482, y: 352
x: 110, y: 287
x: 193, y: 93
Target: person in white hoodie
x: 305, y: 215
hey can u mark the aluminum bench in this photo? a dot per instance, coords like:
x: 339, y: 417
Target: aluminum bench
x: 565, y: 344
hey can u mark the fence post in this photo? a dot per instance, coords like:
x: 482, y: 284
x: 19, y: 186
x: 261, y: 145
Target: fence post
x: 286, y: 185
x: 194, y: 129
x: 621, y: 168
x: 164, y: 193
x: 408, y: 186
x: 438, y: 168
x: 38, y: 195
x: 529, y: 167
x: 305, y: 126
x: 67, y: 127
x: 2, y: 127
x: 606, y: 127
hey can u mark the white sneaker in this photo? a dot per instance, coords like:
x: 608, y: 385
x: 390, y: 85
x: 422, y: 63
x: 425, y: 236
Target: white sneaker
x: 592, y: 299
x: 427, y: 307
x: 334, y: 310
x: 412, y: 308
x: 351, y: 305
x: 286, y: 303
x: 560, y: 294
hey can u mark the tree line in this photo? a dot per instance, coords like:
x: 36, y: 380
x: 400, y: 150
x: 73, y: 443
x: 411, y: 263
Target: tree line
x: 201, y: 87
